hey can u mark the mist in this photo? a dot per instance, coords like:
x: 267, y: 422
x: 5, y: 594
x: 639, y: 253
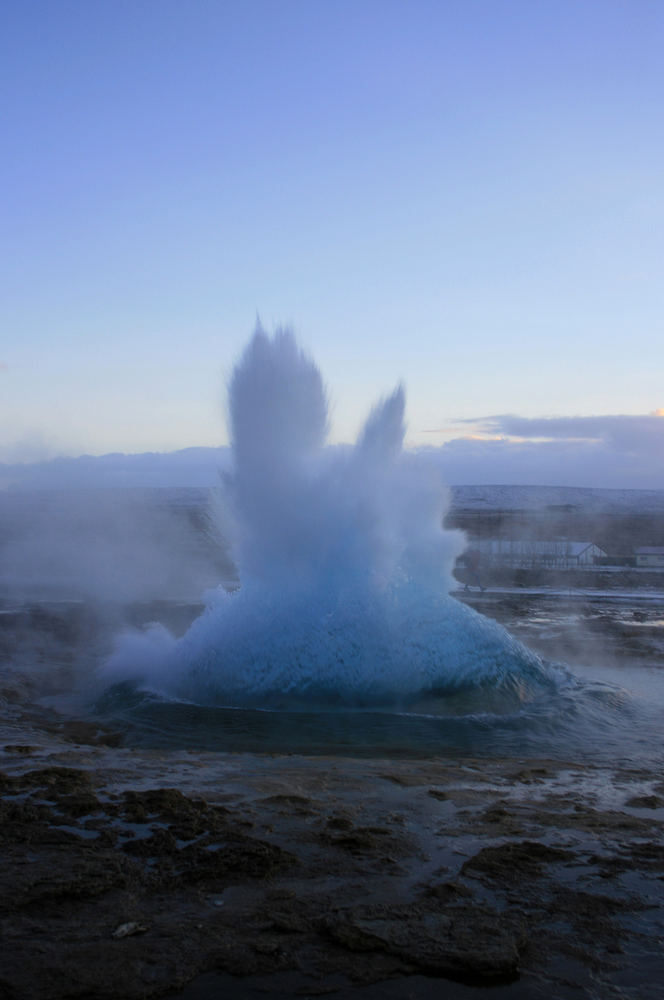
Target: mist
x: 109, y: 546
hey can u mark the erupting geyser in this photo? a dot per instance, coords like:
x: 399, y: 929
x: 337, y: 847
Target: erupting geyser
x: 344, y: 566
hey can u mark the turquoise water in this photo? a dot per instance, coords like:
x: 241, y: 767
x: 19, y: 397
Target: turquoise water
x: 586, y: 720
x: 602, y: 708
x: 342, y: 636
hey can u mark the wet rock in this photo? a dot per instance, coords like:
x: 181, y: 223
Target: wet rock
x: 645, y: 802
x: 593, y: 905
x: 192, y: 841
x: 17, y: 817
x: 59, y: 780
x: 187, y: 818
x: 59, y: 872
x: 339, y: 823
x: 246, y: 959
x: 359, y: 839
x: 470, y: 944
x: 365, y: 841
x: 289, y: 916
x: 291, y: 801
x: 503, y: 818
x: 68, y: 789
x: 16, y: 688
x: 608, y: 821
x: 530, y: 775
x: 94, y: 966
x: 89, y: 733
x: 161, y: 842
x: 446, y: 892
x: 597, y: 934
x: 646, y: 855
x: 246, y: 858
x: 77, y: 805
x: 164, y: 860
x: 515, y: 859
x: 128, y: 929
x: 403, y: 779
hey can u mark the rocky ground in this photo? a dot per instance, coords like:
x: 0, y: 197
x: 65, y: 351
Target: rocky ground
x: 130, y: 874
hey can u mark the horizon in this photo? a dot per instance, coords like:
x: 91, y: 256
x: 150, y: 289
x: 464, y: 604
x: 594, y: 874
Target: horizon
x: 201, y: 467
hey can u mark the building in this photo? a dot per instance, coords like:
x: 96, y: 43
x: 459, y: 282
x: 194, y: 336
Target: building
x: 534, y: 554
x: 650, y: 556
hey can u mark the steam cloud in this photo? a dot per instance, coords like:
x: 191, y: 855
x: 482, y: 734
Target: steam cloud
x: 344, y: 565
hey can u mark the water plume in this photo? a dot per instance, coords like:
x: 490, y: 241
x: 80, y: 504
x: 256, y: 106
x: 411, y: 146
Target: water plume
x: 344, y: 565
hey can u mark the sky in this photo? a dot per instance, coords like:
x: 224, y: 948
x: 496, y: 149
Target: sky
x: 463, y: 195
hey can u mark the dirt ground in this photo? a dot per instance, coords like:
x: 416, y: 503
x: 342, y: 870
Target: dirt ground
x: 135, y: 874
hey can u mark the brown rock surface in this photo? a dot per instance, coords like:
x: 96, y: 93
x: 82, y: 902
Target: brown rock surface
x: 127, y: 874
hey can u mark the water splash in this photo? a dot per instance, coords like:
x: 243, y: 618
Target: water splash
x: 344, y: 565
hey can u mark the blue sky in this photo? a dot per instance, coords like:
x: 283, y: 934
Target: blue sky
x: 466, y: 196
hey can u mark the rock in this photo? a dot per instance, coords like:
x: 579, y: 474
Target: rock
x: 645, y: 802
x: 128, y: 929
x: 60, y: 872
x: 509, y: 861
x: 63, y: 780
x: 467, y: 943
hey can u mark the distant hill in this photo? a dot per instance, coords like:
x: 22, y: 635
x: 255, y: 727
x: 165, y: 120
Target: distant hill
x: 189, y: 467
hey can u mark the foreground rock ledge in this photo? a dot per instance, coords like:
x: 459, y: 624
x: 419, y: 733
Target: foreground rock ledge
x: 127, y: 874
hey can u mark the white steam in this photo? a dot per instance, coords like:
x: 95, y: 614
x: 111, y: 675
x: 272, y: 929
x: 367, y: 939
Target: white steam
x: 343, y: 562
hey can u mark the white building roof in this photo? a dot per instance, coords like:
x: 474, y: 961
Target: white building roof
x: 534, y: 546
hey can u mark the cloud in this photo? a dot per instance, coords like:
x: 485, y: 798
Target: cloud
x: 613, y: 452
x: 4, y: 367
x: 638, y: 433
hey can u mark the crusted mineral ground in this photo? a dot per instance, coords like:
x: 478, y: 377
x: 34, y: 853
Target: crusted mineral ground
x: 136, y: 874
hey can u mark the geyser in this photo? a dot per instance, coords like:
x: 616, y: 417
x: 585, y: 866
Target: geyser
x: 344, y: 567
